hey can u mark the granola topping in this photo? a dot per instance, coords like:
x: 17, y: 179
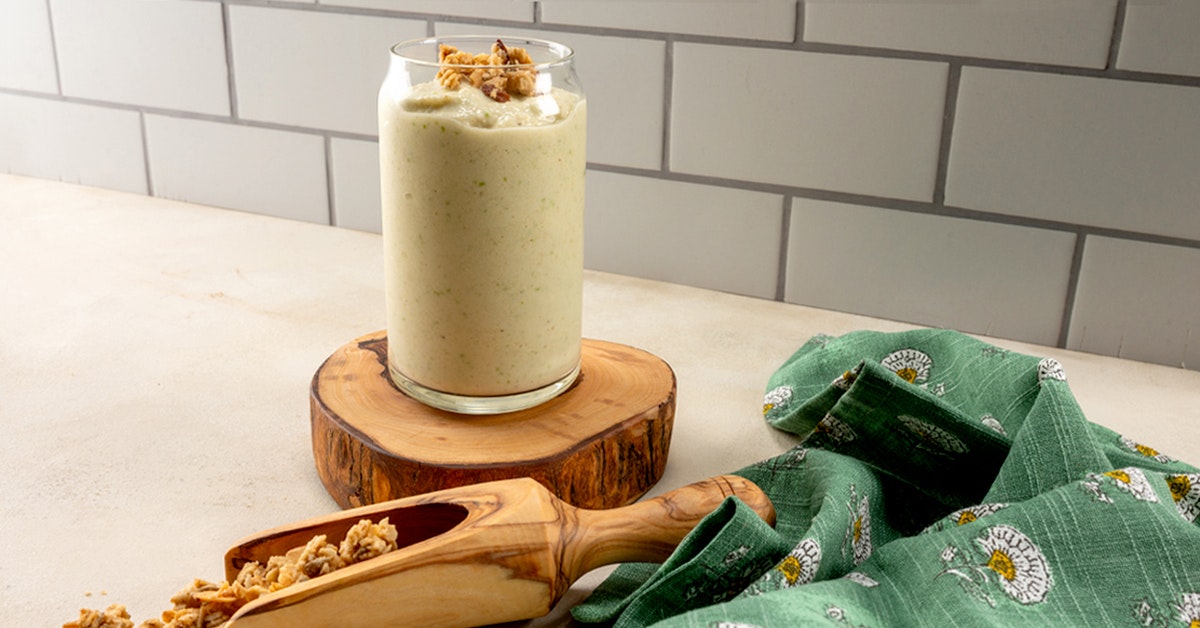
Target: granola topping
x: 205, y: 604
x: 499, y: 74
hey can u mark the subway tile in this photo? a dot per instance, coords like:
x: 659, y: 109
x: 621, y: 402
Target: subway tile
x: 1061, y: 32
x: 997, y: 280
x: 767, y: 20
x: 313, y: 69
x: 143, y: 52
x: 1088, y: 151
x: 836, y: 122
x: 265, y: 171
x: 1162, y: 37
x: 355, y: 166
x: 699, y: 235
x: 71, y: 142
x: 518, y: 10
x: 625, y: 109
x: 1138, y: 300
x: 26, y: 49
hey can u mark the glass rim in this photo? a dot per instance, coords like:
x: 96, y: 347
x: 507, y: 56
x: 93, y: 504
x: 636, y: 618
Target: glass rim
x: 565, y: 53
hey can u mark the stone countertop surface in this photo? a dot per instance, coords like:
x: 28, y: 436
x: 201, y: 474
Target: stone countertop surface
x: 155, y: 358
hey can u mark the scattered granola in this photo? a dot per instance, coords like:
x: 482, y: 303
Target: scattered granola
x: 503, y: 72
x: 205, y: 604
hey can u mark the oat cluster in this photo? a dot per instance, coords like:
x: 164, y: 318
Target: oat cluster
x: 206, y: 604
x: 499, y: 74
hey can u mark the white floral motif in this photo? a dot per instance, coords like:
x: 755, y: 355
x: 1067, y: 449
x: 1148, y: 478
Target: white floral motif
x: 858, y: 532
x: 778, y: 397
x: 1133, y: 481
x: 930, y: 434
x: 911, y: 365
x: 1185, y: 490
x: 835, y: 430
x: 800, y: 565
x: 1149, y: 452
x: 966, y: 515
x: 1049, y: 368
x: 1189, y: 609
x: 844, y: 380
x: 731, y: 624
x: 991, y: 422
x: 862, y: 579
x: 1019, y: 567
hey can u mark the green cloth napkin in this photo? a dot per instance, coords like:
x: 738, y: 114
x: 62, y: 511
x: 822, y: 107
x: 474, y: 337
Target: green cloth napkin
x: 940, y: 481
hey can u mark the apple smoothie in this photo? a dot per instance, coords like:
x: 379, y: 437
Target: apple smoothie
x: 483, y: 194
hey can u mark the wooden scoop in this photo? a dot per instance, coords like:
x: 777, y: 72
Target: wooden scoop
x: 475, y: 555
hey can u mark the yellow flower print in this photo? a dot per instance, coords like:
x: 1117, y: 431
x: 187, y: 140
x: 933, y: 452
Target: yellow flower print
x: 1009, y: 559
x: 858, y: 532
x: 911, y: 365
x: 1185, y: 491
x: 800, y: 565
x: 1133, y: 481
x: 1149, y: 452
x: 1188, y: 610
x: 777, y: 397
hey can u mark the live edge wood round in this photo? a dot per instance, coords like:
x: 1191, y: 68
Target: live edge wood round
x: 601, y: 444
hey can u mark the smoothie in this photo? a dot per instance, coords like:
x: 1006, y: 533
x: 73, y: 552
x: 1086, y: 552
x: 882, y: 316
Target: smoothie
x: 483, y: 236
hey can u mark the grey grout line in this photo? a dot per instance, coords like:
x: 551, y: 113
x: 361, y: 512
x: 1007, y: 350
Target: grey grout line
x: 54, y: 48
x: 227, y: 32
x: 1064, y: 328
x: 785, y: 236
x: 797, y: 45
x: 949, y: 110
x: 898, y: 204
x: 668, y: 101
x: 146, y: 153
x: 1114, y: 45
x: 798, y: 36
x: 330, y: 198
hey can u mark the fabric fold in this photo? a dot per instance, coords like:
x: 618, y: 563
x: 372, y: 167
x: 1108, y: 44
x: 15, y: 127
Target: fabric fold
x: 937, y: 480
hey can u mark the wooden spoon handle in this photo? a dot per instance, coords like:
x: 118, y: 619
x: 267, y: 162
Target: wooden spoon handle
x: 649, y: 531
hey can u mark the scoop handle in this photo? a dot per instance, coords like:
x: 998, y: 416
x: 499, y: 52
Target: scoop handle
x: 648, y: 531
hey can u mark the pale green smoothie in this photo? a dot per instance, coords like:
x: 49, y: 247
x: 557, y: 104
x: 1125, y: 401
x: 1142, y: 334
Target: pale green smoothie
x: 483, y: 237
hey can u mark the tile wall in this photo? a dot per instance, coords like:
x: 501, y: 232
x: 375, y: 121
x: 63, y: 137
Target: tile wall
x: 1023, y: 169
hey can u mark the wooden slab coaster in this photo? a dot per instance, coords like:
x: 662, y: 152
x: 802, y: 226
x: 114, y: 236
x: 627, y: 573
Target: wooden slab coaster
x: 601, y: 444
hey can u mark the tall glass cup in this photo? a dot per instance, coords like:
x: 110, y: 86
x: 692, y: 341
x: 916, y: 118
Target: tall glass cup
x: 482, y: 178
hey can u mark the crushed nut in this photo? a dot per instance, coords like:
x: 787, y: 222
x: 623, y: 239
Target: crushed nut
x: 205, y: 604
x: 500, y: 74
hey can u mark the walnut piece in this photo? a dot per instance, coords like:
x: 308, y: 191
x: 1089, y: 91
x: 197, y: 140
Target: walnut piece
x: 500, y: 74
x: 205, y: 604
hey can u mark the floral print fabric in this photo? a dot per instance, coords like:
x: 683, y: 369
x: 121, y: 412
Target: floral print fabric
x: 937, y: 480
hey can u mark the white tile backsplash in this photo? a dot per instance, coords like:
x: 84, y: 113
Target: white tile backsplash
x: 1105, y: 153
x: 312, y: 69
x: 836, y: 122
x: 698, y: 235
x: 994, y: 166
x: 520, y: 10
x: 1138, y: 300
x: 26, y: 48
x: 279, y: 173
x: 356, y: 196
x: 155, y: 53
x: 1161, y: 37
x: 623, y: 79
x: 985, y: 278
x: 72, y: 142
x: 1062, y: 32
x: 768, y: 20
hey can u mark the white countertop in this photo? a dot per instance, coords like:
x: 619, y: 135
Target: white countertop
x: 155, y: 358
